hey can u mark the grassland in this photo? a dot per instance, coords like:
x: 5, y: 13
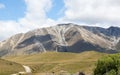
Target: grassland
x: 59, y: 61
x: 7, y: 67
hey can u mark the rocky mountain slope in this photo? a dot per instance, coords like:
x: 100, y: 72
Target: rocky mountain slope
x: 62, y: 38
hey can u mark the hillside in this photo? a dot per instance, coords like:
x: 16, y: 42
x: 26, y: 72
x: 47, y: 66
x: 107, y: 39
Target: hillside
x: 118, y: 46
x: 62, y: 38
x: 7, y: 67
x: 58, y: 61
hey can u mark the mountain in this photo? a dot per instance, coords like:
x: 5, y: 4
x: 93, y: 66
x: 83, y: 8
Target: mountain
x: 62, y: 38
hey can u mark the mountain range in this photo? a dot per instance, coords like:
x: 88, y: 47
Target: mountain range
x: 63, y: 38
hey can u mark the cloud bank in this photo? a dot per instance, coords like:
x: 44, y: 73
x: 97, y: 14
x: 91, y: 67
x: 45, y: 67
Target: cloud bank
x: 103, y: 13
x: 93, y: 12
x: 35, y: 17
x: 36, y: 13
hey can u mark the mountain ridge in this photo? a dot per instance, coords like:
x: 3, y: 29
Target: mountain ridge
x: 63, y: 38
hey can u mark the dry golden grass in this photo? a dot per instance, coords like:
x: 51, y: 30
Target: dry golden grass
x: 7, y: 67
x: 57, y: 61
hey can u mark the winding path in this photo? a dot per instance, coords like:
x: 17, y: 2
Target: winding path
x: 27, y: 69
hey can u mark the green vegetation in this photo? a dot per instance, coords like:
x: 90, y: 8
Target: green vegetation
x: 7, y: 67
x: 59, y: 61
x: 108, y: 65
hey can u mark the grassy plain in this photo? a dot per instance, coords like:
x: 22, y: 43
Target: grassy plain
x: 59, y: 61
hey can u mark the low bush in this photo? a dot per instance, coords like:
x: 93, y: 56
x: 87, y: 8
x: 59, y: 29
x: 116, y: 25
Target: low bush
x: 108, y: 65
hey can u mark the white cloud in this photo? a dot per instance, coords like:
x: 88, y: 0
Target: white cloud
x: 2, y: 6
x: 99, y: 12
x: 8, y: 28
x: 35, y: 17
x: 91, y: 12
x: 36, y: 13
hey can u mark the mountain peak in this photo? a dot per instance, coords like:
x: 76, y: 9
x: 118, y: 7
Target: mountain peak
x: 66, y: 24
x: 114, y: 28
x: 114, y: 31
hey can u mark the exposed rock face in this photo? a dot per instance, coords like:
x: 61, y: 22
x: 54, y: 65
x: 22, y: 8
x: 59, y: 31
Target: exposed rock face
x: 62, y: 38
x: 118, y: 46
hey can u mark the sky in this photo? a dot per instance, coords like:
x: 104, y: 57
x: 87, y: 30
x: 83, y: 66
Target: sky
x: 19, y: 16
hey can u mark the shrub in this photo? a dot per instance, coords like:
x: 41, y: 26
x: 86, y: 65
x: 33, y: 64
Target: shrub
x: 109, y: 65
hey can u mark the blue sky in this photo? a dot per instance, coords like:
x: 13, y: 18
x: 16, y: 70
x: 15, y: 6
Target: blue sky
x: 13, y: 10
x: 18, y: 16
x: 57, y: 8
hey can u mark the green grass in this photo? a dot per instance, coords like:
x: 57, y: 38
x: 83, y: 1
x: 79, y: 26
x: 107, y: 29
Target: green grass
x: 57, y: 61
x: 7, y: 67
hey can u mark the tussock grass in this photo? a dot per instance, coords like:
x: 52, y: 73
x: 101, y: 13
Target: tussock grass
x: 60, y: 61
x: 7, y: 67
